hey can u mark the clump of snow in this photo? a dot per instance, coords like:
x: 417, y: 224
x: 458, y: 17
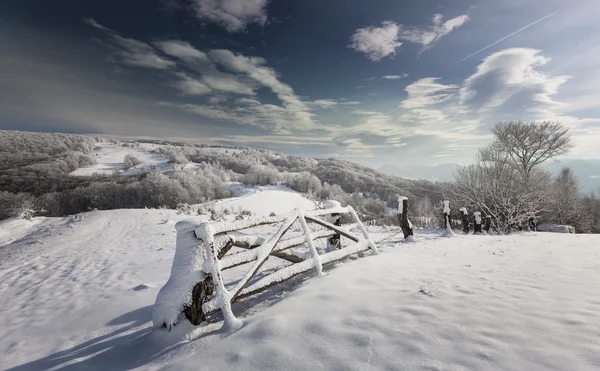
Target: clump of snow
x: 331, y: 204
x: 410, y: 239
x: 477, y: 216
x: 446, y: 209
x: 401, y: 204
x: 463, y: 210
x: 557, y: 228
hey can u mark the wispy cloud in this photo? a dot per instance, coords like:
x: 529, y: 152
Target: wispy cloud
x: 427, y: 91
x: 507, y: 36
x: 381, y: 42
x: 394, y: 77
x: 428, y: 36
x: 324, y: 103
x: 233, y: 15
x: 132, y: 52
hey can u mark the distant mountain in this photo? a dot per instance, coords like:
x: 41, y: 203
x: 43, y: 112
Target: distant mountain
x: 440, y: 173
x: 588, y: 171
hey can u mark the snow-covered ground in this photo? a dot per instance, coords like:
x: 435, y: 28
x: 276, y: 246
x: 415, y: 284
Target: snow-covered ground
x: 264, y: 200
x: 109, y: 158
x: 78, y: 295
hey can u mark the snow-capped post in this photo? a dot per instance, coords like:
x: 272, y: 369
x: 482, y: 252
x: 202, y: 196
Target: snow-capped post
x: 488, y: 223
x: 186, y: 272
x: 405, y: 224
x: 447, y: 226
x: 465, y: 219
x: 477, y: 222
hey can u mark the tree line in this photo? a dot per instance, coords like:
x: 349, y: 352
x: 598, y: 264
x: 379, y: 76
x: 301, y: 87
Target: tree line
x: 506, y: 180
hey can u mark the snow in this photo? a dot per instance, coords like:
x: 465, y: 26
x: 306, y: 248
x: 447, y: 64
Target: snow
x: 477, y: 216
x: 186, y: 271
x: 463, y: 210
x: 401, y: 204
x: 309, y: 241
x: 80, y: 294
x: 331, y: 204
x: 446, y: 207
x: 265, y: 200
x: 557, y: 228
x: 212, y: 266
x: 109, y: 159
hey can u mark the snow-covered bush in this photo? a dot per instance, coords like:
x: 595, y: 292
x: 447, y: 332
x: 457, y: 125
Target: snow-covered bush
x: 257, y: 175
x: 130, y: 161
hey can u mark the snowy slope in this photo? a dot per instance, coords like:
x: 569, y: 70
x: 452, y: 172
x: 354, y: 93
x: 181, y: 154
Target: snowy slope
x: 109, y: 158
x: 78, y: 295
x: 263, y: 200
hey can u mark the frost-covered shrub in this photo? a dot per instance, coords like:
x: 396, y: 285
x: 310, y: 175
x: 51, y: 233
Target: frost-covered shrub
x: 261, y: 176
x: 130, y: 161
x: 20, y: 205
x: 184, y: 208
x: 303, y: 182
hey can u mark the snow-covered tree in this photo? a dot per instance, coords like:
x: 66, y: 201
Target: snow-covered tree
x: 566, y: 202
x: 506, y: 181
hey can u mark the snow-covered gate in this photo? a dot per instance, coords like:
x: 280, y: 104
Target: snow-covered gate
x: 196, y: 287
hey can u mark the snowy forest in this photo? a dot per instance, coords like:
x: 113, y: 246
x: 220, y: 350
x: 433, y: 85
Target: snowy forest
x: 505, y: 181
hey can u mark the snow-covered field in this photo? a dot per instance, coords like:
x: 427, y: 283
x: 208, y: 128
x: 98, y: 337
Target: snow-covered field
x: 78, y: 295
x: 109, y: 158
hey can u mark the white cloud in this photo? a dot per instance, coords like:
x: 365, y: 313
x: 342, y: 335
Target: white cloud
x: 97, y: 25
x: 380, y: 42
x: 191, y: 86
x: 256, y: 69
x: 233, y: 15
x: 376, y: 42
x: 133, y: 52
x: 182, y: 50
x: 429, y: 35
x: 509, y: 82
x: 394, y: 77
x: 227, y: 83
x: 324, y: 103
x: 350, y: 103
x: 425, y: 92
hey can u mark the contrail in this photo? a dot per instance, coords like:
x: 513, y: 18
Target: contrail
x: 507, y: 36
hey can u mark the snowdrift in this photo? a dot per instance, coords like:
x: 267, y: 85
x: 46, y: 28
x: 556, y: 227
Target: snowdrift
x: 78, y: 295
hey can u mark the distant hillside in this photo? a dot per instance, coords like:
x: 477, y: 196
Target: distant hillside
x: 588, y: 171
x: 440, y: 173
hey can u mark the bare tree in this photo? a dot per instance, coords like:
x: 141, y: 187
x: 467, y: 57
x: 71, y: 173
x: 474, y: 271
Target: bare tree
x: 566, y: 202
x: 530, y: 143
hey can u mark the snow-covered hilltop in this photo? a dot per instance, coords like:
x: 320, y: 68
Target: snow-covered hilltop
x: 77, y: 293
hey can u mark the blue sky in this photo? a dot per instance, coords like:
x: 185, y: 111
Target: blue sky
x: 382, y: 81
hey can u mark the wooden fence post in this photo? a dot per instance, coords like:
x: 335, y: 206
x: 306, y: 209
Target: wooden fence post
x: 477, y: 222
x: 405, y: 224
x: 446, y: 213
x: 488, y: 223
x: 448, y: 228
x: 465, y: 219
x: 335, y: 242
